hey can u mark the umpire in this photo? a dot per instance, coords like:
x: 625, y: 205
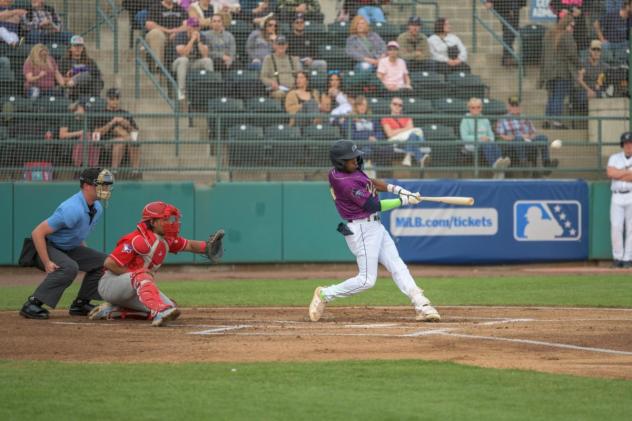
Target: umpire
x: 57, y: 247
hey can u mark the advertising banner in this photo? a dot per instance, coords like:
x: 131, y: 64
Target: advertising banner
x: 511, y: 221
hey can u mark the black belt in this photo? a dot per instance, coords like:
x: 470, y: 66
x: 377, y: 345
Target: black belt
x: 621, y: 192
x: 374, y: 217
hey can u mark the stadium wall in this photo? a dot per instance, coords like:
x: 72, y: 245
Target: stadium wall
x: 264, y: 222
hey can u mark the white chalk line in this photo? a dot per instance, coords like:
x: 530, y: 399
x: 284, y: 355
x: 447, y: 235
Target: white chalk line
x: 219, y: 330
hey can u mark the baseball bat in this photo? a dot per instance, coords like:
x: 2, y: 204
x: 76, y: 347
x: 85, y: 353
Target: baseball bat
x: 448, y: 200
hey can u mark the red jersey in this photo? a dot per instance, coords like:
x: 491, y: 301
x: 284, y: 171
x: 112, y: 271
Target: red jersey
x: 142, y: 248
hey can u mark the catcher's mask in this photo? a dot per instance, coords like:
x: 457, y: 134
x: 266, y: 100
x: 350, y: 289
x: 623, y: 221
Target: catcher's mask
x: 168, y: 213
x: 344, y: 150
x: 101, y: 178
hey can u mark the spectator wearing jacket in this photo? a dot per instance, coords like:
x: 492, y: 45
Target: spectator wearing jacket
x: 413, y: 47
x: 364, y: 46
x: 43, y: 25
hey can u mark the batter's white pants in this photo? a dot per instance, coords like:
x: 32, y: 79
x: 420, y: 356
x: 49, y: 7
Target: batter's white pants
x: 621, y: 226
x: 117, y: 290
x: 372, y: 244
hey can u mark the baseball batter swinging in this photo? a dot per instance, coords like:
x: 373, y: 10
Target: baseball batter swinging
x: 128, y: 285
x: 356, y: 199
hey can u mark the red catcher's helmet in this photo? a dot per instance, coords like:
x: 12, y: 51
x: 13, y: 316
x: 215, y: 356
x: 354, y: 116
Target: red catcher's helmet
x: 162, y: 210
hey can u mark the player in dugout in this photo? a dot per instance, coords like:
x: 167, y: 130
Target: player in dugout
x: 128, y: 285
x: 355, y: 197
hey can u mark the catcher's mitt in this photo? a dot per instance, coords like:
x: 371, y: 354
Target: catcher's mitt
x: 214, y: 246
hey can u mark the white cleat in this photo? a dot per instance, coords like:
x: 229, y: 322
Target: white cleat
x: 164, y: 316
x: 428, y: 314
x: 102, y: 311
x: 317, y: 306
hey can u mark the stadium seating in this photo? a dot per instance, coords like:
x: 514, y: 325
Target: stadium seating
x: 466, y: 85
x: 201, y: 86
x: 246, y: 147
x: 243, y: 84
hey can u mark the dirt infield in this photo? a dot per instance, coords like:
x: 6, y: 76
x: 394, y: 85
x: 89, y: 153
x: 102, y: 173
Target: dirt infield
x: 587, y: 342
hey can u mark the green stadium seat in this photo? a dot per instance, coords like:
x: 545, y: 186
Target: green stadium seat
x: 388, y: 31
x: 380, y: 106
x: 338, y: 33
x: 318, y: 80
x: 264, y: 110
x: 494, y: 107
x: 246, y: 147
x: 428, y: 85
x: 244, y: 84
x: 466, y: 85
x: 415, y: 106
x: 217, y: 107
x: 202, y: 85
x: 286, y: 142
x: 444, y: 144
x: 319, y: 28
x: 319, y: 137
x: 454, y: 108
x: 335, y: 57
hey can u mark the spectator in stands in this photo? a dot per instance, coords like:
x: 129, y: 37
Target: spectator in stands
x: 10, y: 18
x: 366, y: 132
x: 166, y: 19
x: 559, y: 67
x: 371, y: 11
x: 279, y: 69
x: 509, y: 10
x: 82, y: 75
x: 303, y: 45
x: 392, y: 70
x: 590, y: 79
x: 256, y: 11
x: 259, y: 44
x: 613, y: 28
x: 43, y: 25
x: 364, y: 46
x: 407, y: 137
x: 192, y: 53
x: 76, y: 126
x: 287, y: 9
x: 479, y: 131
x: 223, y: 49
x: 41, y: 73
x: 118, y: 126
x: 446, y: 48
x: 413, y: 47
x: 334, y: 100
x: 203, y: 11
x: 303, y: 100
x: 226, y: 9
x: 522, y: 141
x: 575, y: 8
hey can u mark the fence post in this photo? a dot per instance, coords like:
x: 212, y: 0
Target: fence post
x: 474, y: 40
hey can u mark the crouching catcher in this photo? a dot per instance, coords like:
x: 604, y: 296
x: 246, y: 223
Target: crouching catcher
x: 128, y: 285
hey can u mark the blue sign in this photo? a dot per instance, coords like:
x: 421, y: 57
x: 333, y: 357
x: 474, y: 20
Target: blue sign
x: 511, y: 221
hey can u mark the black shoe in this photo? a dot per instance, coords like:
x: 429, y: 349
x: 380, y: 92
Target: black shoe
x: 617, y: 264
x: 80, y: 307
x: 626, y: 264
x: 556, y: 125
x: 32, y: 309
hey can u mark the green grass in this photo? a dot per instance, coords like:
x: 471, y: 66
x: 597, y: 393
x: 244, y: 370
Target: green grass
x: 368, y: 390
x: 590, y: 291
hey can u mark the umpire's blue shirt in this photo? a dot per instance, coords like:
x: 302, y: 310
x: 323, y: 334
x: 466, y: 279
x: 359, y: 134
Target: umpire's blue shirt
x: 71, y: 222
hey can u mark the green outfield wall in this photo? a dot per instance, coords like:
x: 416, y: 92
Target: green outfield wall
x: 264, y: 222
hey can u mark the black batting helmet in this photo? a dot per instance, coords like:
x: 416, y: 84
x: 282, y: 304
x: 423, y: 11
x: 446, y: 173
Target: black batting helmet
x: 625, y: 138
x: 344, y: 150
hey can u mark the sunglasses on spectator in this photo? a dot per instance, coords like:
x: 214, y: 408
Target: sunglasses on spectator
x: 596, y: 49
x: 475, y: 106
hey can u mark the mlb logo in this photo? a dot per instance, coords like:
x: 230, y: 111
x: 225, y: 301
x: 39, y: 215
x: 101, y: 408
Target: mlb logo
x: 547, y: 220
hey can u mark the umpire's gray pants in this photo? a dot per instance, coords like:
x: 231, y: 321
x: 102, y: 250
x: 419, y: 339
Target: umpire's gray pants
x: 118, y: 290
x: 70, y: 263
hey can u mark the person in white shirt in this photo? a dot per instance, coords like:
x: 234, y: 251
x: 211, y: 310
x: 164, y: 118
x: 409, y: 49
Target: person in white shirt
x: 620, y: 172
x: 446, y: 49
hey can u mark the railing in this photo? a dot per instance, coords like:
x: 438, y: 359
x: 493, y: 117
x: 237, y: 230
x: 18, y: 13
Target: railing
x: 221, y: 154
x: 476, y: 18
x: 141, y: 49
x: 111, y: 20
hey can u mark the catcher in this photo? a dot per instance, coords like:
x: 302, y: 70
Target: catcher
x: 128, y: 285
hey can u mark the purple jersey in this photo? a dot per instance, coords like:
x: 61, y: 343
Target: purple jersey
x: 350, y: 192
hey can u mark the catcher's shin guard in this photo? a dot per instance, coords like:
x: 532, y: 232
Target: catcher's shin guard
x: 147, y: 291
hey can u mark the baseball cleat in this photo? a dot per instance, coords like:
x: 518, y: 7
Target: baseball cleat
x: 428, y: 314
x: 101, y: 312
x: 164, y: 316
x: 317, y: 306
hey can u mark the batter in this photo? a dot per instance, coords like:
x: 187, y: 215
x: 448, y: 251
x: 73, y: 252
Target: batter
x: 356, y: 199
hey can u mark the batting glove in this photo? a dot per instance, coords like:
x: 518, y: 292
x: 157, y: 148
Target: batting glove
x: 398, y: 190
x: 413, y: 199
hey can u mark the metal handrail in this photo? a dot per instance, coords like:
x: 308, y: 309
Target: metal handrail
x: 517, y: 57
x: 102, y: 17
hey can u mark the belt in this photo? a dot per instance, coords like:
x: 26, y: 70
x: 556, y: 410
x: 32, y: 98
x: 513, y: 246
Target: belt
x: 374, y: 217
x: 621, y: 192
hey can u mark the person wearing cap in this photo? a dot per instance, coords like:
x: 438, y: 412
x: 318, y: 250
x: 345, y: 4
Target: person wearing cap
x: 364, y: 46
x: 202, y: 10
x: 278, y: 72
x: 392, y: 70
x: 117, y: 126
x: 192, y: 53
x: 80, y: 129
x: 413, y: 47
x: 520, y: 140
x: 509, y: 10
x: 287, y: 9
x: 590, y: 79
x: 221, y: 43
x: 619, y: 170
x: 10, y: 18
x: 43, y: 25
x: 81, y: 73
x: 303, y: 45
x: 166, y: 19
x: 57, y: 246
